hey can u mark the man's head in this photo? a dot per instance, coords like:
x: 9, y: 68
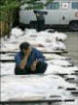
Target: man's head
x: 24, y: 47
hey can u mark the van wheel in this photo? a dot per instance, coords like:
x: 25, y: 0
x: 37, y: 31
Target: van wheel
x: 73, y: 26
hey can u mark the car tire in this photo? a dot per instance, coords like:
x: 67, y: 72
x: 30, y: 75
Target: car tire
x: 73, y: 26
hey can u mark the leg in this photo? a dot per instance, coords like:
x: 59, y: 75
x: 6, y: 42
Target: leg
x: 19, y: 71
x: 41, y: 67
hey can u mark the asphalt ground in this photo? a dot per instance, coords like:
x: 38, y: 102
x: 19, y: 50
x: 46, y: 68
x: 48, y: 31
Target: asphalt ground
x: 72, y: 45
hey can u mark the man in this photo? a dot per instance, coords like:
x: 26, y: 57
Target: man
x: 29, y: 60
x: 40, y: 19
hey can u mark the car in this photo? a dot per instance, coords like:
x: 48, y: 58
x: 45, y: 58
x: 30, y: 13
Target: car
x: 59, y: 13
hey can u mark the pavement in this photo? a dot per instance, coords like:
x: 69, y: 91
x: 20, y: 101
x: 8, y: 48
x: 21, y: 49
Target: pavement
x: 72, y: 45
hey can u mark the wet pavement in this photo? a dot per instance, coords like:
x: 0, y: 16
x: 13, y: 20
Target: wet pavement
x: 72, y: 45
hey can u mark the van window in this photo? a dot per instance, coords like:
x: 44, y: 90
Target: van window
x: 54, y: 5
x: 75, y: 5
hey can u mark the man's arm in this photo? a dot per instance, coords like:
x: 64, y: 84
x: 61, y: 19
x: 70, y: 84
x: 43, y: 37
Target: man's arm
x: 21, y: 63
x: 25, y: 59
x: 33, y: 66
x: 39, y: 57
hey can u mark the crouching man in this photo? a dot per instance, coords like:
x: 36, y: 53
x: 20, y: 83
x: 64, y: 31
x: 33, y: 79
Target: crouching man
x: 29, y: 60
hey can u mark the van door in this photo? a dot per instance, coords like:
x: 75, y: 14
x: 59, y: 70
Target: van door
x: 52, y: 17
x: 65, y: 13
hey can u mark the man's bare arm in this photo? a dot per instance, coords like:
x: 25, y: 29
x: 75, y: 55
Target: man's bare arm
x: 25, y: 59
x: 24, y: 62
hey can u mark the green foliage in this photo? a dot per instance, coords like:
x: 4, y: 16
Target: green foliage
x: 35, y: 4
x: 12, y: 4
x: 8, y: 6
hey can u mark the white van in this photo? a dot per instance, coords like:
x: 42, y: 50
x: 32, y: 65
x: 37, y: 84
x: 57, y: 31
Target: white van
x: 59, y: 12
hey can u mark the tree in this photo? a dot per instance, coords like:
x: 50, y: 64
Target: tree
x: 7, y: 9
x: 10, y: 5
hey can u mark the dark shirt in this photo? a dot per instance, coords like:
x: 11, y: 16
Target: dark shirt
x: 40, y: 15
x: 35, y: 54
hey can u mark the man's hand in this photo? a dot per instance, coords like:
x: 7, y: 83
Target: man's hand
x: 25, y: 59
x: 33, y: 66
x: 28, y: 51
